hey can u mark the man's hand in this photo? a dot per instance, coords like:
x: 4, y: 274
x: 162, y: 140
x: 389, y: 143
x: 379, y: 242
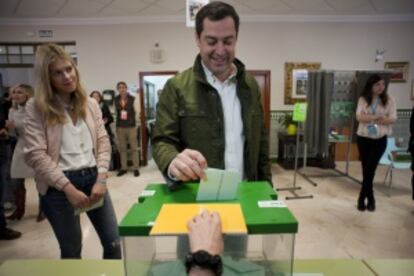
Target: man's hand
x: 77, y: 198
x: 188, y: 164
x: 205, y: 233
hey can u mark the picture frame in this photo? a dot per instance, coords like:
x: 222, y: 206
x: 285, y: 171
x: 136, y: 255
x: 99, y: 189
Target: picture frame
x: 399, y: 70
x: 192, y: 7
x: 296, y: 80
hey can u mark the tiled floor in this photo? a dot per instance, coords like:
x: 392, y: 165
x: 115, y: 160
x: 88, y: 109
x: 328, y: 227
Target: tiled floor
x: 329, y: 224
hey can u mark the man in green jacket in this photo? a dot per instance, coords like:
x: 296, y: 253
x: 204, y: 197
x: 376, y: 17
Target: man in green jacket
x: 211, y: 114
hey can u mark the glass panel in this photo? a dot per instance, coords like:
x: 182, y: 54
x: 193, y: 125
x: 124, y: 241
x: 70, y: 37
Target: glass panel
x: 12, y: 49
x: 2, y: 49
x: 28, y: 59
x: 27, y: 49
x: 269, y: 254
x: 153, y: 86
x: 14, y: 59
x: 3, y: 59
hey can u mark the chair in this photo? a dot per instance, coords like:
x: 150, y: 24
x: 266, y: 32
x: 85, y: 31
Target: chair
x: 387, y: 159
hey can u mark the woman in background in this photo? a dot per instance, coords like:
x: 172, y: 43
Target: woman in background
x: 19, y: 169
x: 108, y: 120
x: 376, y: 112
x: 5, y: 232
x: 67, y: 146
x: 106, y: 113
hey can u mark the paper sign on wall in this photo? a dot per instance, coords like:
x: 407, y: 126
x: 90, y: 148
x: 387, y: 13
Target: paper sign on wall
x: 299, y: 112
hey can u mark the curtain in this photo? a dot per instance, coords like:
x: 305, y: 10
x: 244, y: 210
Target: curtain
x: 320, y: 87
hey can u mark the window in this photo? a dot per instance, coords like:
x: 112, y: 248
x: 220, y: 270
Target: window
x: 23, y: 54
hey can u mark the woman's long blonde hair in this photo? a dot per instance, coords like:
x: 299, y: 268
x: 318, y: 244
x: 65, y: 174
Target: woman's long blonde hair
x: 45, y: 95
x: 28, y: 91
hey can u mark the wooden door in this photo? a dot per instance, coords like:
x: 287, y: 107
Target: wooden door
x: 263, y: 79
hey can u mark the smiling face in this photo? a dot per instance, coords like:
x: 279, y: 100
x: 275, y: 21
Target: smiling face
x: 19, y: 96
x: 217, y: 44
x: 378, y: 88
x: 63, y: 77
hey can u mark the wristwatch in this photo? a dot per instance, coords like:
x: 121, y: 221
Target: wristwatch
x: 204, y: 260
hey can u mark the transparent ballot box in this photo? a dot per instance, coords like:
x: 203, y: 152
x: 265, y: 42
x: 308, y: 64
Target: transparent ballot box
x: 266, y: 249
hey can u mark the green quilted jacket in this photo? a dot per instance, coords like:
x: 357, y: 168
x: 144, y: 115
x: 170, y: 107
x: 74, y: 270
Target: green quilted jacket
x: 190, y: 115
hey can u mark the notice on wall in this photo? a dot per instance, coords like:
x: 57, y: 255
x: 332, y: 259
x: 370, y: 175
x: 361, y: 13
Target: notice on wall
x: 299, y: 112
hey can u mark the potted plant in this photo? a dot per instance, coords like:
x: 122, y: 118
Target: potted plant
x: 289, y: 124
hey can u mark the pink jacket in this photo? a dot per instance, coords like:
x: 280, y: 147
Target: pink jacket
x: 42, y: 145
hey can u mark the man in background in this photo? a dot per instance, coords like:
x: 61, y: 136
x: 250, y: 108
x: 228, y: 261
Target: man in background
x: 126, y: 130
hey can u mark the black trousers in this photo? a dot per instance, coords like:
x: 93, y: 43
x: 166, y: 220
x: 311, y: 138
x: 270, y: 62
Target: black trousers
x: 370, y: 152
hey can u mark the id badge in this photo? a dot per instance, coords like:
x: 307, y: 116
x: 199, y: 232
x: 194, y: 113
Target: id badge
x: 372, y: 130
x: 124, y: 115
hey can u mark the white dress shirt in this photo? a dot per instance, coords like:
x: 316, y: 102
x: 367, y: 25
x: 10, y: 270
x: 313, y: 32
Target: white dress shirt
x: 233, y: 124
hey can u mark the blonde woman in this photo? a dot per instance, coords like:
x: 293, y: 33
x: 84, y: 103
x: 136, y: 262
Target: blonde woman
x: 20, y: 94
x: 69, y: 150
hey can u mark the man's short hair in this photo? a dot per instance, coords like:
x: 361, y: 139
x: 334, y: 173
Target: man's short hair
x: 121, y: 82
x: 216, y: 11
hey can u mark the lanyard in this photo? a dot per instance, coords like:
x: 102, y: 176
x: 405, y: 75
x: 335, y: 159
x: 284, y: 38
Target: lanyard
x: 374, y: 106
x: 123, y: 103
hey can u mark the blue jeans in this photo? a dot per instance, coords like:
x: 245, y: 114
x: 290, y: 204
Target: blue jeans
x: 66, y: 225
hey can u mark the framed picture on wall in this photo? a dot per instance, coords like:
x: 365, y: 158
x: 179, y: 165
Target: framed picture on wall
x: 192, y: 7
x: 399, y: 70
x: 296, y: 80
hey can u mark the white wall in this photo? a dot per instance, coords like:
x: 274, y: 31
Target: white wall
x: 109, y: 53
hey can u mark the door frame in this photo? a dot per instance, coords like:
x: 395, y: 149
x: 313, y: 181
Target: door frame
x: 265, y: 95
x: 143, y: 119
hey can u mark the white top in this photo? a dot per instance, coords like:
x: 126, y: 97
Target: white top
x: 19, y: 167
x: 376, y: 108
x: 233, y: 124
x: 76, y: 150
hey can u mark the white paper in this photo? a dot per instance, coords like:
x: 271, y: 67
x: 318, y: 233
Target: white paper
x: 147, y: 193
x: 97, y: 204
x: 271, y: 204
x: 219, y: 185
